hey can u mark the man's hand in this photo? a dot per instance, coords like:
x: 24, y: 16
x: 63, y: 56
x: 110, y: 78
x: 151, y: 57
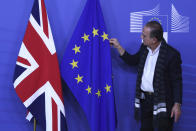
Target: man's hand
x: 176, y: 111
x: 114, y: 42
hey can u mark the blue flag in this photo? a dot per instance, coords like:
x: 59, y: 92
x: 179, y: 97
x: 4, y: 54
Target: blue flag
x: 162, y: 19
x: 87, y: 70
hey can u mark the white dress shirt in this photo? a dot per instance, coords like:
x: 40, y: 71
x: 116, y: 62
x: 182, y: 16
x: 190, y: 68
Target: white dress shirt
x: 149, y: 68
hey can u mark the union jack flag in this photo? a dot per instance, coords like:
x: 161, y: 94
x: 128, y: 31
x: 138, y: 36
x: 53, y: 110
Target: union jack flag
x: 37, y: 78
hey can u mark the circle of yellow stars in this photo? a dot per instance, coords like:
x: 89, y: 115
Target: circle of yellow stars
x: 74, y: 63
x: 157, y: 19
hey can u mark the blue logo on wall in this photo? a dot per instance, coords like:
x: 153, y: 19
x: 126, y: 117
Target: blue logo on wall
x: 179, y: 23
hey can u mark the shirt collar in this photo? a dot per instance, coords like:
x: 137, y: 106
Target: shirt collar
x: 155, y: 51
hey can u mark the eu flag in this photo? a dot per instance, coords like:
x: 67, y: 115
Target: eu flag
x: 87, y: 70
x: 162, y: 19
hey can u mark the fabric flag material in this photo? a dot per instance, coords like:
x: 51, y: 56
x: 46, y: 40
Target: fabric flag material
x: 87, y: 70
x: 37, y: 77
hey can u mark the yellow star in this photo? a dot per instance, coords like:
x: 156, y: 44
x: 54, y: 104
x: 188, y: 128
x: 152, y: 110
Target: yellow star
x: 107, y: 88
x: 76, y: 49
x: 74, y: 64
x: 105, y: 36
x: 98, y: 93
x: 88, y: 89
x: 95, y: 32
x: 79, y: 78
x: 85, y: 37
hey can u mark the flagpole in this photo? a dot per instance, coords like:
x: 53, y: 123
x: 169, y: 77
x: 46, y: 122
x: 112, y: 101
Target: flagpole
x: 34, y: 125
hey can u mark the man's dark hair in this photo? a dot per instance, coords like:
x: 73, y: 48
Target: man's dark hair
x: 156, y: 30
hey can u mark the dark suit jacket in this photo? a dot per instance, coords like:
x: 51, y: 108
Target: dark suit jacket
x: 168, y: 72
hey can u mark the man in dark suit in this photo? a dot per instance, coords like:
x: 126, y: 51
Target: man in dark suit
x: 159, y: 81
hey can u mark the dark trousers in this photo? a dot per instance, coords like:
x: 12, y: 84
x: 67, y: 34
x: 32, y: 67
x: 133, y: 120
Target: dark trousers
x: 165, y: 124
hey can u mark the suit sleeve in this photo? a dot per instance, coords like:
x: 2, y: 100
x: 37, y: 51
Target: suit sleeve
x: 132, y: 60
x: 175, y: 76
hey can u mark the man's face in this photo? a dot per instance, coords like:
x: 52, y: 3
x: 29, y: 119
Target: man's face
x: 146, y: 36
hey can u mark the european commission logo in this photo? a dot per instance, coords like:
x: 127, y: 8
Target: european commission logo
x: 179, y: 23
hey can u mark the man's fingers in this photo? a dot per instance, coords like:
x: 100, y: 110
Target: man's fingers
x: 111, y: 41
x: 172, y: 113
x: 176, y: 112
x: 176, y: 117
